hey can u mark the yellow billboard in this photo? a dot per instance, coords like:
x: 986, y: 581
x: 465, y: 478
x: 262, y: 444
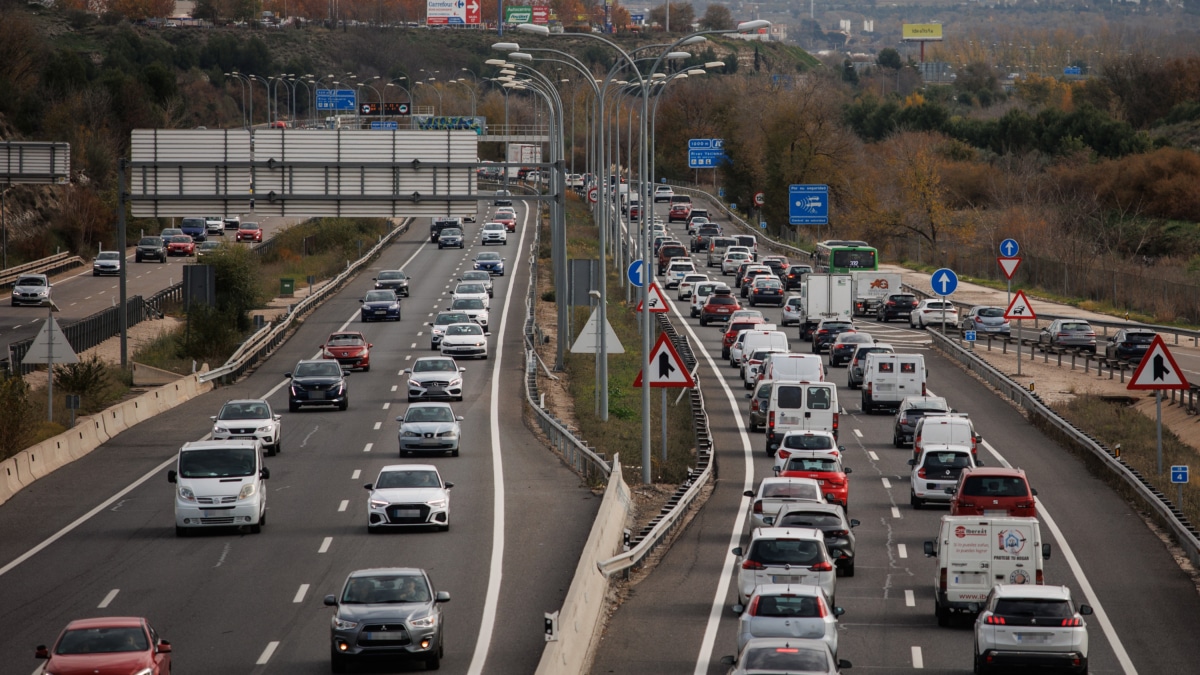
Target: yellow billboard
x: 922, y: 31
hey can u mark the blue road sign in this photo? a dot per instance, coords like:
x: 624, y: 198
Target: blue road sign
x: 1179, y: 474
x: 336, y: 99
x: 637, y: 18
x: 1072, y: 70
x: 969, y: 335
x: 808, y: 205
x: 705, y: 153
x: 635, y: 273
x: 763, y: 224
x: 386, y: 125
x: 1009, y: 248
x: 945, y: 281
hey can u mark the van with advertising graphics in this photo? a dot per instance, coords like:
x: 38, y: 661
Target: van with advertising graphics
x: 889, y: 378
x: 220, y: 484
x: 974, y: 554
x: 801, y: 406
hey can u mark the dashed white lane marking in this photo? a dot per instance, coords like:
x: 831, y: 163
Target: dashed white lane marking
x: 902, y: 550
x: 266, y: 655
x: 387, y: 405
x: 343, y: 505
x: 325, y: 545
x: 368, y: 446
x: 108, y: 598
x: 887, y: 484
x: 300, y: 593
x: 407, y: 357
x: 874, y: 457
x: 356, y: 475
x: 895, y: 512
x: 909, y: 599
x: 401, y: 374
x: 918, y: 660
x: 413, y: 346
x: 858, y: 433
x: 378, y: 426
x: 420, y: 333
x: 395, y: 387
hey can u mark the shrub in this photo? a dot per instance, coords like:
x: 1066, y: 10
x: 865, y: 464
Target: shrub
x: 16, y: 418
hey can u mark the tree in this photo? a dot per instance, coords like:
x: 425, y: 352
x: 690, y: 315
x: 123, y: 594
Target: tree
x: 889, y: 58
x: 717, y: 17
x: 683, y: 15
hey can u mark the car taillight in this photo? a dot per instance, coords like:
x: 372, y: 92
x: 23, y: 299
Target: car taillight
x: 837, y: 533
x: 822, y: 331
x: 1039, y: 579
x: 978, y: 319
x: 903, y: 418
x: 822, y: 567
x: 835, y: 423
x: 923, y: 393
x: 752, y: 610
x: 754, y: 405
x: 1063, y: 334
x: 758, y: 506
x: 869, y: 388
x: 942, y: 579
x: 752, y: 565
x: 1072, y: 623
x: 771, y: 420
x: 921, y: 472
x: 994, y: 620
x: 1127, y: 345
x: 822, y: 610
x: 783, y: 453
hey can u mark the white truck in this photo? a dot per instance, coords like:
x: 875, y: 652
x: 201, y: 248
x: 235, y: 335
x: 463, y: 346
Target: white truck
x: 825, y: 296
x: 975, y: 553
x: 523, y: 153
x: 870, y: 288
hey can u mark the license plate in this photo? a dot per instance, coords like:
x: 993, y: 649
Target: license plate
x: 408, y: 513
x: 381, y: 311
x: 1032, y: 638
x: 316, y: 394
x: 786, y: 579
x: 387, y: 635
x: 995, y: 512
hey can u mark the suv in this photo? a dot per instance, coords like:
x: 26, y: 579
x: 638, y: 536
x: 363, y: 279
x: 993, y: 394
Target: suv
x: 1129, y: 344
x: 151, y: 248
x: 249, y: 419
x: 393, y: 612
x: 795, y: 275
x: 663, y: 193
x: 704, y: 234
x: 719, y: 306
x: 318, y: 382
x: 214, y: 225
x: 785, y: 555
x: 993, y: 492
x: 1031, y: 625
x: 681, y: 208
x: 666, y: 252
x: 897, y: 306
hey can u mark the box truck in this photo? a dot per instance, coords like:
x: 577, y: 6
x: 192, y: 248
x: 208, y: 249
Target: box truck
x: 826, y: 296
x: 870, y: 288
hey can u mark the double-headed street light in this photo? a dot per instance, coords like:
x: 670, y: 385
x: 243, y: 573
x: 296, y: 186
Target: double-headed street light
x: 435, y: 90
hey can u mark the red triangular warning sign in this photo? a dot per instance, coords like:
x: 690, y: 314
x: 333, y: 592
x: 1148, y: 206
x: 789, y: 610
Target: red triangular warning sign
x: 1009, y: 266
x: 666, y: 368
x: 658, y: 301
x: 1158, y: 369
x: 1019, y: 308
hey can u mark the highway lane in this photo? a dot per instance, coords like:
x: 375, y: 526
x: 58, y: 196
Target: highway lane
x: 78, y: 294
x: 237, y: 603
x: 889, y: 626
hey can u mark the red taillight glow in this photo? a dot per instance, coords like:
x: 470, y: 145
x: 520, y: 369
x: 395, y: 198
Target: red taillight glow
x: 903, y: 418
x: 1039, y: 579
x: 995, y: 620
x: 835, y: 422
x: 921, y: 472
x: 942, y: 579
x: 978, y: 319
x: 1072, y: 623
x: 822, y: 610
x: 758, y: 506
x: 822, y: 567
x: 751, y: 565
x: 771, y: 420
x: 783, y: 453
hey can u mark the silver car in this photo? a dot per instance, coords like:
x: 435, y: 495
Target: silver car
x: 785, y: 555
x: 437, y: 328
x: 986, y: 319
x: 408, y: 495
x: 475, y: 308
x: 249, y: 419
x: 31, y: 289
x: 793, y: 311
x: 480, y: 277
x: 788, y: 611
x: 392, y: 613
x: 1076, y: 333
x: 429, y: 427
x: 434, y: 377
x: 938, y: 468
x: 794, y: 656
x: 107, y: 262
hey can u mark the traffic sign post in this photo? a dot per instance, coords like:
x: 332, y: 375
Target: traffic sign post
x: 667, y: 369
x: 1009, y: 248
x: 636, y: 272
x: 1179, y: 476
x: 705, y: 153
x: 969, y: 336
x: 1019, y: 310
x: 1158, y: 371
x: 945, y: 282
x: 657, y: 300
x: 594, y: 195
x: 759, y: 199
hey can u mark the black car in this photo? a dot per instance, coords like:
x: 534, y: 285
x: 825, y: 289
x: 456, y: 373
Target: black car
x: 911, y: 410
x: 151, y: 248
x: 392, y: 280
x: 778, y: 264
x: 832, y: 521
x: 795, y: 275
x: 439, y: 224
x: 703, y: 236
x: 842, y: 349
x: 897, y: 306
x: 1129, y: 344
x: 451, y: 237
x: 318, y: 382
x: 827, y: 333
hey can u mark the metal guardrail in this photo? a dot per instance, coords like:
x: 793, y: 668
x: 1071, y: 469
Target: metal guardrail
x: 50, y: 265
x: 260, y: 345
x: 1185, y: 533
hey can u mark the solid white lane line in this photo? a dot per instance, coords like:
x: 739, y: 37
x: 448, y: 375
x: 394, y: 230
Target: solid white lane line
x: 356, y: 475
x: 902, y: 550
x: 895, y: 512
x: 491, y: 600
x: 303, y: 590
x: 325, y: 545
x: 108, y: 598
x: 343, y: 505
x: 918, y: 660
x: 266, y: 655
x: 874, y: 457
x: 858, y: 433
x: 909, y: 599
x: 368, y: 447
x: 887, y: 484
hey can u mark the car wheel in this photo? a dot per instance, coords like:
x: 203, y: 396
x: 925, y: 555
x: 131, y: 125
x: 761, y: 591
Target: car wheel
x: 848, y: 570
x: 433, y: 346
x: 181, y: 531
x: 943, y: 614
x: 404, y: 453
x: 912, y: 500
x: 434, y: 662
x: 896, y: 442
x: 344, y: 404
x: 770, y: 453
x: 702, y: 321
x: 454, y: 452
x: 338, y: 663
x: 979, y: 668
x: 754, y: 426
x: 270, y: 451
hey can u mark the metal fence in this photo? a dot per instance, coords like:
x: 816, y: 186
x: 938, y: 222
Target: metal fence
x: 49, y: 266
x: 88, y: 331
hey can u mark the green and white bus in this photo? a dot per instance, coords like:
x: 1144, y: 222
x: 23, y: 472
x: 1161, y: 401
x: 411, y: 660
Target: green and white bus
x: 840, y: 256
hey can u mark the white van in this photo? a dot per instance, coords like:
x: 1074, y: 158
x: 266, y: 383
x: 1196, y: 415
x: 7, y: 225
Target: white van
x: 889, y: 378
x: 220, y: 484
x: 793, y: 368
x: 974, y: 554
x: 945, y: 429
x: 803, y: 406
x: 758, y: 358
x: 761, y: 337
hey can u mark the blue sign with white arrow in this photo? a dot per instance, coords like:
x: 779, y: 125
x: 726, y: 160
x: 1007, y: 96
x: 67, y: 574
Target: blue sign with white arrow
x: 808, y: 205
x: 1009, y: 248
x: 636, y: 272
x: 1179, y: 474
x: 336, y: 99
x: 945, y: 281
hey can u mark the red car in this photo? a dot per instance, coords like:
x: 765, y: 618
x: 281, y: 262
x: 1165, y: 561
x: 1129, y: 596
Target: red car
x: 679, y: 211
x: 248, y: 232
x: 181, y: 244
x: 350, y: 349
x: 993, y: 492
x: 115, y: 645
x: 507, y: 219
x: 718, y: 307
x: 823, y: 466
x: 732, y: 330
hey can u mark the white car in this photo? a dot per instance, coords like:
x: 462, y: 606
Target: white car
x: 663, y: 193
x: 793, y: 311
x: 789, y: 611
x: 249, y: 419
x: 494, y: 233
x: 774, y: 492
x: 803, y: 440
x: 688, y: 283
x: 938, y: 468
x: 1031, y: 625
x: 471, y: 290
x: 408, y: 495
x: 932, y: 312
x: 479, y: 277
x: 465, y: 339
x: 785, y: 555
x: 475, y: 309
x: 754, y: 364
x: 214, y: 225
x: 732, y: 261
x: 107, y: 262
x: 700, y: 293
x: 677, y: 270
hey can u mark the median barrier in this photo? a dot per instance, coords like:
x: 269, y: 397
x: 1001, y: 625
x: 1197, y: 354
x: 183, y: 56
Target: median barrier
x: 87, y: 435
x: 580, y: 622
x: 48, y: 456
x: 10, y: 482
x: 114, y: 420
x: 24, y: 471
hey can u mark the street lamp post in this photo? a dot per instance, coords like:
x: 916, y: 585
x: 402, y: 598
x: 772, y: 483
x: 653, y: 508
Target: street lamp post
x: 242, y: 87
x: 436, y: 91
x: 470, y: 91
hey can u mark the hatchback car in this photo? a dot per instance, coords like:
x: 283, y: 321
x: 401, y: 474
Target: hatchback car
x: 214, y: 225
x: 793, y: 311
x: 249, y: 232
x: 911, y: 410
x: 348, y: 348
x: 381, y: 305
x: 663, y: 193
x: 677, y: 270
x: 842, y: 349
x: 429, y: 427
x: 760, y: 401
x: 986, y: 319
x: 931, y: 312
x: 392, y: 280
x: 793, y: 656
x: 465, y: 339
x: 476, y: 309
x: 151, y: 248
x: 1129, y: 344
x: 118, y: 644
x: 452, y: 237
x: 700, y: 293
x: 1031, y: 626
x: 788, y: 611
x: 748, y: 275
x: 993, y: 492
x: 766, y: 290
x: 318, y: 382
x: 827, y: 332
x: 830, y: 519
x: 207, y: 248
x: 389, y: 614
x: 938, y: 468
x: 502, y: 198
x: 434, y: 377
x: 823, y: 466
x: 107, y: 262
x: 437, y: 327
x: 795, y: 275
x: 731, y: 262
x: 785, y: 555
x: 507, y: 219
x: 494, y: 233
x: 480, y: 277
x: 1071, y: 333
x: 491, y: 263
x: 249, y: 419
x: 896, y: 306
x: 689, y: 282
x: 774, y: 493
x: 679, y: 210
x: 408, y: 495
x: 719, y: 306
x: 181, y: 245
x: 31, y: 289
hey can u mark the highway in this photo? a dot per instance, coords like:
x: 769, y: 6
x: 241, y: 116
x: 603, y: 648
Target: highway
x: 678, y: 620
x: 96, y: 538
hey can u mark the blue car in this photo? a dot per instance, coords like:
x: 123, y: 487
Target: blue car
x: 382, y: 305
x: 491, y: 263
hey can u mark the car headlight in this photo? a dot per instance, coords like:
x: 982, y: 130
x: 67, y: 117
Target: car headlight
x: 479, y: 344
x: 247, y: 491
x: 186, y: 494
x: 342, y: 624
x: 265, y: 429
x: 394, y: 305
x: 378, y: 503
x: 437, y: 503
x: 427, y: 622
x: 16, y: 292
x: 413, y: 384
x: 457, y: 382
x: 410, y: 434
x: 448, y: 434
x: 217, y: 429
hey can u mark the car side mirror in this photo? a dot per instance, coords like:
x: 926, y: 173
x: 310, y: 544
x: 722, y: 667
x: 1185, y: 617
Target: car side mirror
x: 288, y: 375
x: 487, y: 335
x: 408, y: 371
x: 276, y: 417
x: 172, y: 477
x: 842, y: 448
x: 854, y: 522
x: 1033, y: 491
x: 847, y: 470
x: 345, y: 373
x: 738, y: 608
x: 331, y: 601
x: 374, y: 279
x: 164, y: 647
x: 1045, y: 551
x: 748, y: 493
x: 448, y: 485
x: 727, y: 660
x: 42, y: 653
x: 737, y: 551
x: 462, y: 370
x: 775, y: 469
x: 912, y: 462
x: 362, y: 300
x: 369, y: 486
x: 829, y: 496
x: 1085, y: 610
x: 400, y: 418
x: 265, y: 473
x: 212, y: 417
x: 369, y: 345
x: 843, y: 664
x: 458, y: 417
x: 929, y: 549
x: 442, y: 596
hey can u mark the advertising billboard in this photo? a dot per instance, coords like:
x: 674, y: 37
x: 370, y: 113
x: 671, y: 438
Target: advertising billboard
x: 452, y: 12
x: 536, y: 14
x: 920, y: 32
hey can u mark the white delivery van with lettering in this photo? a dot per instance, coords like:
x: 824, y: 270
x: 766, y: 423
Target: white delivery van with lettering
x: 975, y: 553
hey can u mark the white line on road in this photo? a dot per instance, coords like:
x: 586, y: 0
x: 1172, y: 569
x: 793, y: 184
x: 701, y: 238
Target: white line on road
x: 909, y: 599
x: 108, y: 598
x: 356, y: 475
x: 887, y: 484
x: 387, y: 405
x: 413, y: 346
x: 378, y: 426
x: 858, y: 433
x: 407, y: 357
x: 874, y: 457
x: 420, y: 333
x: 368, y: 447
x: 303, y: 590
x: 266, y: 655
x: 895, y: 512
x: 325, y: 545
x: 395, y: 386
x: 902, y: 550
x: 343, y: 505
x: 918, y: 660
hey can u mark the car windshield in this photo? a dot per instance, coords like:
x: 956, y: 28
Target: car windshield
x: 386, y: 589
x: 108, y: 255
x: 217, y: 463
x: 786, y: 552
x: 819, y: 520
x: 793, y: 302
x: 994, y: 486
x: 244, y: 411
x: 447, y: 319
x: 836, y: 325
x: 812, y: 464
x: 488, y: 257
x: 210, y: 245
x: 767, y: 283
x: 799, y: 606
x: 790, y: 490
x: 181, y: 239
x: 1034, y: 608
x: 248, y: 226
x: 929, y: 404
x: 464, y: 329
x: 150, y: 241
x: 451, y: 232
x: 416, y: 478
x: 103, y: 641
x: 807, y: 442
x: 680, y: 267
x: 468, y: 303
x: 494, y: 226
x: 937, y: 304
x: 346, y: 340
x: 854, y: 338
x: 470, y: 289
x: 380, y: 296
x: 391, y: 276
x: 429, y: 414
x: 991, y: 313
x: 435, y: 366
x: 721, y: 300
x: 318, y: 369
x: 31, y: 281
x: 170, y: 232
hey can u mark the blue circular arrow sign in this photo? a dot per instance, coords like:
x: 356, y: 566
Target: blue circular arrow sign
x: 1009, y: 248
x: 635, y: 273
x: 944, y: 281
